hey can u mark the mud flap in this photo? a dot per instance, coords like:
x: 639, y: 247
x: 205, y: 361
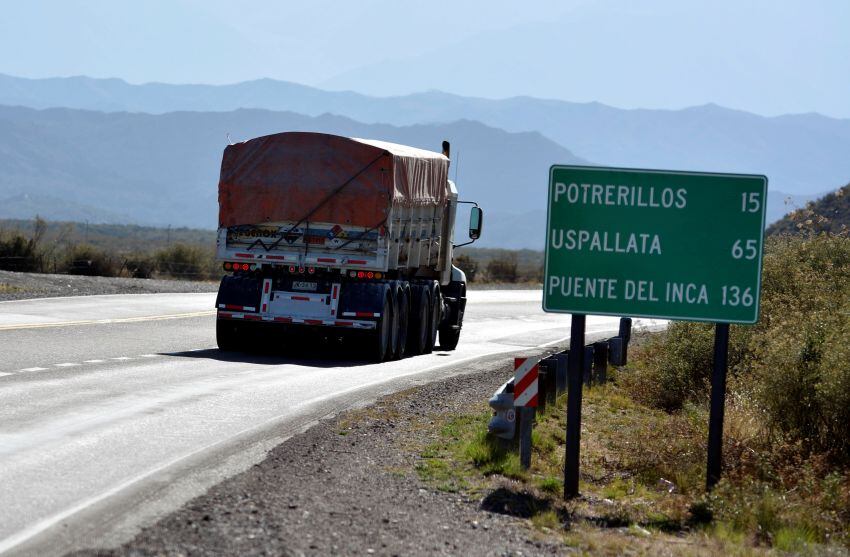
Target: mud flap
x: 239, y: 291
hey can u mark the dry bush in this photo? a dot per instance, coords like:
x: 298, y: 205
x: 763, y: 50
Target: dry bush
x: 89, y: 260
x: 793, y: 366
x: 503, y: 269
x: 187, y: 262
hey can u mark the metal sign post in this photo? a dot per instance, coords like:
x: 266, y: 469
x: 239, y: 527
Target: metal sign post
x: 657, y: 244
x: 718, y: 404
x: 575, y: 376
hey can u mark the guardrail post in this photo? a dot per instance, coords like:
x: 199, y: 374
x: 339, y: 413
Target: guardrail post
x: 543, y: 384
x: 625, y: 333
x: 616, y: 351
x: 526, y: 420
x: 561, y: 360
x: 600, y: 362
x: 551, y: 379
x: 587, y: 371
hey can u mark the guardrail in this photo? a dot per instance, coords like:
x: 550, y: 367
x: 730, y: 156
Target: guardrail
x: 552, y: 381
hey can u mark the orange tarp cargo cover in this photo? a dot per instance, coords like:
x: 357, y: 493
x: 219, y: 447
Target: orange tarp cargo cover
x: 286, y: 176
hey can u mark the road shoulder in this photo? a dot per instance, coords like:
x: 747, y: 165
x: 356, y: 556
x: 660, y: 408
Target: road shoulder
x: 349, y: 485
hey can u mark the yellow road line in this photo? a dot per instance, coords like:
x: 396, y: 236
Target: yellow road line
x: 107, y: 321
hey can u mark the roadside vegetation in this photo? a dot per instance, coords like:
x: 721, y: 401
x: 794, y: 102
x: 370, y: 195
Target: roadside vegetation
x: 111, y: 250
x: 786, y: 475
x: 38, y: 246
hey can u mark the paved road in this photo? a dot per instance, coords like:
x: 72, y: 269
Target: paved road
x: 116, y: 409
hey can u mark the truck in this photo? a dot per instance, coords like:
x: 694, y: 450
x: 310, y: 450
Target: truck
x: 339, y: 238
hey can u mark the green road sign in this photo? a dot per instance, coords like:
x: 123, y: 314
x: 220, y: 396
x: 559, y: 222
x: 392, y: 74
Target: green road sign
x: 652, y: 243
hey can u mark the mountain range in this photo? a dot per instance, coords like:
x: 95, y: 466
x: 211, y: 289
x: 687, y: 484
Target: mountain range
x: 802, y: 154
x: 114, y: 136
x: 163, y: 169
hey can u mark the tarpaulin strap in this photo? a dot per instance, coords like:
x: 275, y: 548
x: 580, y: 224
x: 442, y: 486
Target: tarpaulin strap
x: 319, y: 206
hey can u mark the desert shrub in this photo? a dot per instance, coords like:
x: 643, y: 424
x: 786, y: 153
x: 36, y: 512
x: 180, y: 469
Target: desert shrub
x: 140, y: 266
x: 83, y: 259
x: 19, y: 253
x: 793, y: 365
x: 186, y: 262
x: 530, y: 273
x: 678, y: 365
x: 503, y: 268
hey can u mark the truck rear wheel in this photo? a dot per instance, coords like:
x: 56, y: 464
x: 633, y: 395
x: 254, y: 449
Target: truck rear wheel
x: 434, y: 316
x: 403, y: 314
x: 395, y: 324
x: 381, y: 339
x: 420, y: 319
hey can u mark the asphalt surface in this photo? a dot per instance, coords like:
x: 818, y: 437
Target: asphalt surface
x: 115, y: 410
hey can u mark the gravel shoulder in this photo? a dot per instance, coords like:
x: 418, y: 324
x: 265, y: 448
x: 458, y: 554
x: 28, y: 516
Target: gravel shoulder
x: 349, y: 486
x: 21, y: 286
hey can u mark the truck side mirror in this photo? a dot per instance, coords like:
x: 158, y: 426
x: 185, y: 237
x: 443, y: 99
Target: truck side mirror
x: 476, y: 223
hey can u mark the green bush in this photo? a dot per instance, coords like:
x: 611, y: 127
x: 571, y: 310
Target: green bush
x: 19, y: 253
x: 503, y: 269
x: 140, y: 266
x: 794, y: 364
x: 186, y: 262
x: 89, y: 260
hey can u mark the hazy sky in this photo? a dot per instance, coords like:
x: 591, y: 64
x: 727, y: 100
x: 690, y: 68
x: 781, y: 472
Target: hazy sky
x: 765, y: 56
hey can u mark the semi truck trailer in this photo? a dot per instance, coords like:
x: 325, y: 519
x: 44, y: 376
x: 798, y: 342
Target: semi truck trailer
x: 339, y: 238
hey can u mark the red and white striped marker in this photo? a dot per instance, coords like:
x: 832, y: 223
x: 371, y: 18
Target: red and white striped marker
x: 525, y: 382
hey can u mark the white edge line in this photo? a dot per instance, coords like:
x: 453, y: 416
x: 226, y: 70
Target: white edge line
x: 100, y: 296
x: 39, y: 527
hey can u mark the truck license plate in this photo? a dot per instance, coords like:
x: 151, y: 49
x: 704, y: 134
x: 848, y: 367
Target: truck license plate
x: 299, y: 285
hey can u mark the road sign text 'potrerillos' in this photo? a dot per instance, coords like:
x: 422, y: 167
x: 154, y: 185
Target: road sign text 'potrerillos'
x: 651, y: 243
x: 525, y: 382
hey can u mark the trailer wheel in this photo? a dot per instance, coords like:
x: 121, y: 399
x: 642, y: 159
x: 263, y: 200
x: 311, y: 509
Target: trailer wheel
x: 403, y: 313
x: 449, y: 337
x: 227, y: 335
x: 435, y: 316
x: 420, y: 318
x: 382, y: 337
x: 392, y: 351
